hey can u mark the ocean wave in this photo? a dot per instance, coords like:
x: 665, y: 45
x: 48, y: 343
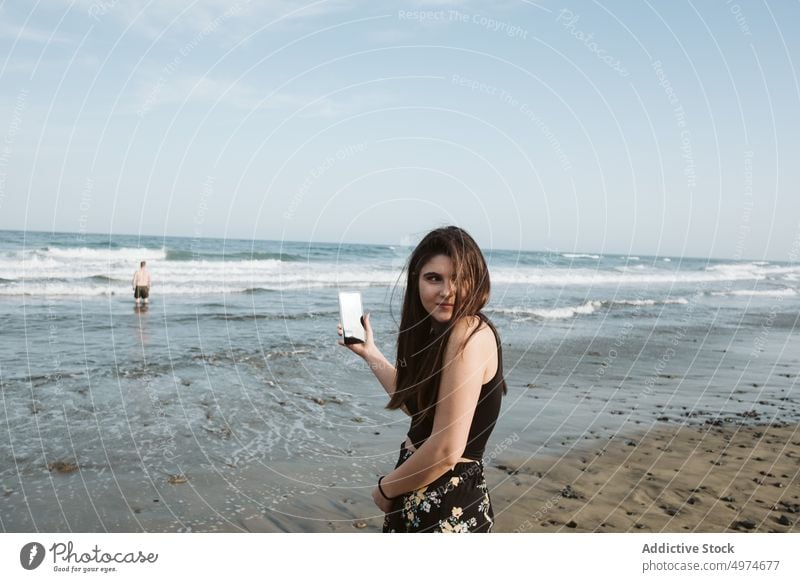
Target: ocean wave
x: 567, y: 312
x: 580, y: 256
x: 586, y: 308
x: 125, y: 254
x: 262, y: 256
x: 638, y: 275
x: 522, y: 313
x: 199, y: 289
x: 267, y: 316
x: 272, y: 275
x: 179, y: 255
x: 752, y: 269
x: 56, y: 290
x: 79, y: 290
x: 104, y: 268
x: 676, y: 301
x: 258, y: 290
x: 787, y: 292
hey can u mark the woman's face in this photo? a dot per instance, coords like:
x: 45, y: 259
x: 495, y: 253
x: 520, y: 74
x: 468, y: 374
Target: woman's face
x: 437, y: 288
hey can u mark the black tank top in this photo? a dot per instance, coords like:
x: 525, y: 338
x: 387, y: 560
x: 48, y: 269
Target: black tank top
x: 486, y: 411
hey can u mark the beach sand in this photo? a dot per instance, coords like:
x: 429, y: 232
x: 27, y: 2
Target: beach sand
x: 709, y: 479
x: 705, y: 479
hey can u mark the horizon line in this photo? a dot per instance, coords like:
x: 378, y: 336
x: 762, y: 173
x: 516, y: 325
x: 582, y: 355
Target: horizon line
x: 678, y: 257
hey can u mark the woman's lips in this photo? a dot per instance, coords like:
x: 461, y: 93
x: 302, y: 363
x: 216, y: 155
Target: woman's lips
x: 446, y: 305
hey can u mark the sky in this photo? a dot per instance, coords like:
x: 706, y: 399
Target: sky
x: 645, y: 128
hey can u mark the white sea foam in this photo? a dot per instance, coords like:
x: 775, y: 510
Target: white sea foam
x: 758, y: 292
x: 69, y: 289
x: 89, y: 271
x: 579, y: 256
x: 49, y: 276
x: 586, y: 308
x: 676, y: 301
x: 127, y: 255
x: 637, y: 275
x: 523, y: 313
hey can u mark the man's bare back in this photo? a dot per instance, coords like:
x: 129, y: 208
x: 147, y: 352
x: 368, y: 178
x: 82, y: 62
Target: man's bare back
x: 141, y: 284
x: 141, y: 278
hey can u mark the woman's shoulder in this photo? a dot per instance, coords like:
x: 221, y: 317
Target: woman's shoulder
x: 466, y: 324
x: 479, y: 320
x: 473, y: 326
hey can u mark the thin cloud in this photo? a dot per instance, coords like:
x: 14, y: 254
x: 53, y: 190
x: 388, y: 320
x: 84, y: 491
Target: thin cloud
x: 439, y: 3
x: 340, y: 107
x: 26, y: 33
x: 192, y: 90
x: 177, y: 17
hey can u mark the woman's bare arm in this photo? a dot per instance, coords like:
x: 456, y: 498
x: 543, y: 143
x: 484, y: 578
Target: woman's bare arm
x: 384, y: 370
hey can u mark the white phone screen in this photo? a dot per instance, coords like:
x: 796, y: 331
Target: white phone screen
x: 351, y: 312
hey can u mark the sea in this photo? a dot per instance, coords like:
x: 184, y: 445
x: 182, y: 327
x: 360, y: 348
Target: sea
x: 226, y: 404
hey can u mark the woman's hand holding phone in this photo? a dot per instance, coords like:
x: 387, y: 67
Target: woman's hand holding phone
x: 364, y: 349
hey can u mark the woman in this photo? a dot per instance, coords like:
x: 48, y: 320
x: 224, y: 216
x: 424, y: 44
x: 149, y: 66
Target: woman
x: 449, y: 380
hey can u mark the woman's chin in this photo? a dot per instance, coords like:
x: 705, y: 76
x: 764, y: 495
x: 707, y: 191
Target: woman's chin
x: 439, y: 317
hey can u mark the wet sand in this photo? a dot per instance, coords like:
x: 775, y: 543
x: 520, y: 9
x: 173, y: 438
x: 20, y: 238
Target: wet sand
x: 708, y: 479
x: 673, y: 478
x: 703, y: 479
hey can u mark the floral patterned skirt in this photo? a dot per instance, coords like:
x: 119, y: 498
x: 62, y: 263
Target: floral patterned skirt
x: 456, y: 502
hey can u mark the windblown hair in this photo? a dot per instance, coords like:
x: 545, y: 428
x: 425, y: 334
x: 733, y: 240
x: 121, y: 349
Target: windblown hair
x: 420, y: 350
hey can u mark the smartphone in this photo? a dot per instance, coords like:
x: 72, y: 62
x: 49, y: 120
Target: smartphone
x: 350, y: 308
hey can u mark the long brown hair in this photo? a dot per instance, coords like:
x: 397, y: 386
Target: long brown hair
x: 420, y: 350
